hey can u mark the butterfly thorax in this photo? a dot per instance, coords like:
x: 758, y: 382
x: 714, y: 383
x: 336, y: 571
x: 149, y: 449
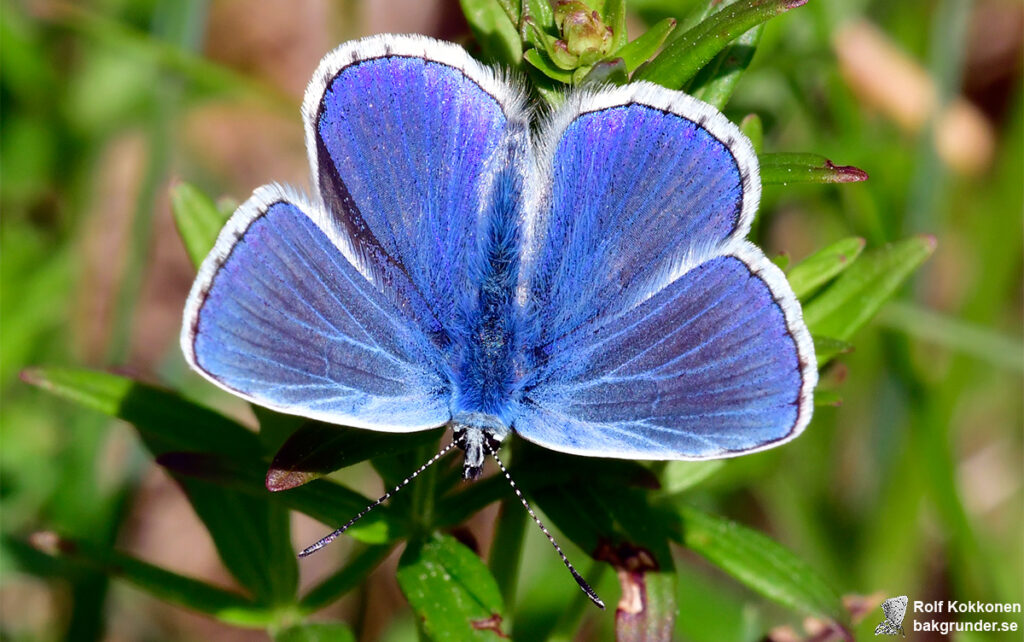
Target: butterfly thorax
x: 477, y: 435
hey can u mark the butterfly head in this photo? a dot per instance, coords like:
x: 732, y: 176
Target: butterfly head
x: 478, y: 435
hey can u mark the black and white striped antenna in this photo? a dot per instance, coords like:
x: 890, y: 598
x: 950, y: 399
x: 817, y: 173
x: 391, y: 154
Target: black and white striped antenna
x: 504, y: 471
x: 383, y: 498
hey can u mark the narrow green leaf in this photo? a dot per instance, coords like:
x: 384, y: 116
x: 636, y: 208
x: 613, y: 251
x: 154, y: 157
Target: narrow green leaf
x: 323, y: 500
x: 174, y: 422
x: 827, y: 398
x: 606, y: 72
x: 781, y: 260
x: 252, y: 537
x: 541, y: 62
x: 687, y: 54
x: 494, y: 31
x: 784, y: 169
x: 752, y: 128
x: 317, y: 632
x: 537, y: 22
x: 717, y: 81
x: 200, y: 72
x: 170, y: 587
x: 646, y: 45
x: 198, y: 220
x: 451, y: 591
x: 760, y: 563
x: 680, y: 476
x: 807, y: 276
x: 250, y: 534
x: 827, y: 348
x: 980, y: 342
x: 317, y: 449
x: 860, y: 291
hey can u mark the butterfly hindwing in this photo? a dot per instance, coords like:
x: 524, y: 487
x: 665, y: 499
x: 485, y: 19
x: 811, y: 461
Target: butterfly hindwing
x: 279, y: 315
x: 717, y: 363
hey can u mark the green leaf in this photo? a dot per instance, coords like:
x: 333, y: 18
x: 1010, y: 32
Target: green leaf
x: 807, y: 276
x: 981, y: 342
x: 175, y: 423
x: 451, y: 591
x: 784, y: 169
x: 316, y: 449
x: 317, y: 632
x: 540, y: 61
x: 494, y: 31
x: 760, y: 563
x: 606, y: 72
x: 827, y: 348
x: 198, y: 220
x: 680, y: 476
x: 861, y: 290
x: 614, y: 15
x: 752, y: 128
x: 323, y: 500
x: 252, y: 537
x: 684, y: 57
x: 170, y: 587
x: 537, y: 20
x: 199, y: 71
x: 824, y: 397
x: 717, y: 81
x: 646, y: 45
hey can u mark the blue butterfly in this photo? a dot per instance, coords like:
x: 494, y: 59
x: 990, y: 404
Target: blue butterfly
x: 583, y: 282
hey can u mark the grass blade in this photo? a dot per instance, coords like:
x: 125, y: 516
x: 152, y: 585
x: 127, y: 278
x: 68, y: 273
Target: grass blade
x: 760, y: 563
x: 807, y: 276
x: 646, y: 45
x: 494, y: 31
x: 717, y: 81
x: 684, y: 57
x: 168, y: 586
x: 861, y: 290
x: 198, y: 220
x: 785, y: 169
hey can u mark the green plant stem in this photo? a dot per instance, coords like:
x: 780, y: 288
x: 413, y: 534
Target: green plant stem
x: 507, y: 549
x: 423, y: 491
x: 969, y: 339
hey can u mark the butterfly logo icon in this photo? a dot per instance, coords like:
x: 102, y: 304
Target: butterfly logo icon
x: 894, y: 609
x: 579, y: 278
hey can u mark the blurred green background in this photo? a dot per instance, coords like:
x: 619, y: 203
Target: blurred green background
x: 912, y: 485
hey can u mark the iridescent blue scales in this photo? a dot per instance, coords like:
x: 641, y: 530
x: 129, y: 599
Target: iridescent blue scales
x: 582, y: 281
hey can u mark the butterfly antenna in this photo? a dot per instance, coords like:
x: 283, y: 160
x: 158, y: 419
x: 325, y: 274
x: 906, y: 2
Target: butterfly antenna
x: 383, y: 498
x: 565, y: 560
